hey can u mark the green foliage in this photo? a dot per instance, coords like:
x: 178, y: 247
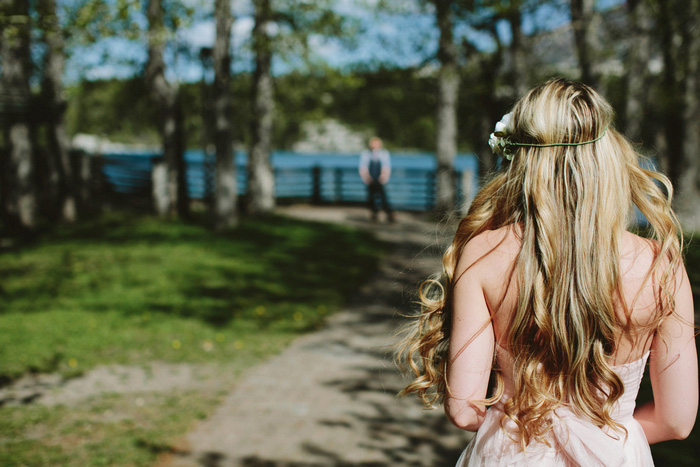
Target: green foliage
x: 120, y: 290
x: 396, y: 104
x: 121, y: 110
x: 91, y: 20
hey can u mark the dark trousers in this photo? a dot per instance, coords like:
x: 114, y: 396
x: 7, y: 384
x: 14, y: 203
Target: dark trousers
x: 376, y: 190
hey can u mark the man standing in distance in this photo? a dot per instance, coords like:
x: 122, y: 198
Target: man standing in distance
x: 375, y: 170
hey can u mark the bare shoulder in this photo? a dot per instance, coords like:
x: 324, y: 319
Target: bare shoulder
x: 637, y: 253
x: 492, y: 249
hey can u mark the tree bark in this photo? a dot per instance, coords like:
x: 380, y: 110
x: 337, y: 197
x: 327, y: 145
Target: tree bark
x: 261, y: 179
x: 584, y: 39
x: 166, y: 96
x: 688, y: 189
x: 448, y: 90
x: 59, y: 145
x: 638, y: 58
x: 226, y: 197
x: 673, y: 59
x: 19, y: 200
x: 517, y: 52
x: 490, y: 69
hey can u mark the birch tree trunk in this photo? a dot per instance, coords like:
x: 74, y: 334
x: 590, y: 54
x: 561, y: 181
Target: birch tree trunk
x: 226, y: 197
x: 59, y: 145
x: 448, y: 89
x: 19, y: 201
x: 166, y: 96
x: 584, y: 39
x: 261, y: 180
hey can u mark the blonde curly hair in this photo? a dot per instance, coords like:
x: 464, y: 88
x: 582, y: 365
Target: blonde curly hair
x: 572, y: 203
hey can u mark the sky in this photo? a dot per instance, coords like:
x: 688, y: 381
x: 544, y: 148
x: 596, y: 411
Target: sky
x: 404, y: 37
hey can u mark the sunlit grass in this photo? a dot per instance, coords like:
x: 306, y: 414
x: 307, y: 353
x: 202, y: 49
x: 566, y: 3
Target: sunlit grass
x: 107, y: 430
x: 122, y: 290
x: 131, y: 291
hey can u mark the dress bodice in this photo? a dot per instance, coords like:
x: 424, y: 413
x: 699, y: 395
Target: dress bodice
x: 631, y: 374
x: 573, y: 441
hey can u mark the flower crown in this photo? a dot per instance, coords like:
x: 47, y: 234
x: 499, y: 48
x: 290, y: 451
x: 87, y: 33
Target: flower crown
x: 500, y: 142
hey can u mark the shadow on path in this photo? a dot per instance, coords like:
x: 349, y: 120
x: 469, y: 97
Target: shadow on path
x: 329, y: 398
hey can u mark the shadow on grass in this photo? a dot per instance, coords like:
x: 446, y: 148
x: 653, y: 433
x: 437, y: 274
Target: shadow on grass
x: 262, y: 270
x: 392, y: 433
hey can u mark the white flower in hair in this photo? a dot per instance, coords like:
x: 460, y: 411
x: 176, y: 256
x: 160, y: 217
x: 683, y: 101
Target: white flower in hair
x: 498, y: 140
x: 504, y: 125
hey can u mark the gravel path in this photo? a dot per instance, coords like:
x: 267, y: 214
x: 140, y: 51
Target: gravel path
x: 329, y: 398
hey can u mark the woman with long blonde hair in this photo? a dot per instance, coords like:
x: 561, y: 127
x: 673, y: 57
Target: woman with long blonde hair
x: 546, y: 290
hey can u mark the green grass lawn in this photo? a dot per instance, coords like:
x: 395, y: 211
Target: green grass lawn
x: 132, y: 290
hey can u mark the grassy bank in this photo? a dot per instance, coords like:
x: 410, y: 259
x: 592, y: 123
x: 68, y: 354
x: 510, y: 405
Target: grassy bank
x: 135, y: 290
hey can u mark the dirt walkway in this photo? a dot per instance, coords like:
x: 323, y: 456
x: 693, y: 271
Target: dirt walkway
x: 329, y: 398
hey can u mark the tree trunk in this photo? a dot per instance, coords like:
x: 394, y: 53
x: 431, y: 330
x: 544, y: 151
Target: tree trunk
x: 59, y: 145
x: 226, y: 198
x: 166, y: 96
x: 19, y: 202
x: 688, y: 190
x: 584, y: 39
x: 638, y: 58
x: 489, y: 71
x: 672, y: 105
x: 517, y: 52
x: 261, y: 179
x: 448, y: 89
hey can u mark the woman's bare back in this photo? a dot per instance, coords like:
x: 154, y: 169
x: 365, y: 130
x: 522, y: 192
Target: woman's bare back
x: 637, y: 310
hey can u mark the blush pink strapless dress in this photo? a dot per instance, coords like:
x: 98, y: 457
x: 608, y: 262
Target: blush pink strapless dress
x: 574, y: 441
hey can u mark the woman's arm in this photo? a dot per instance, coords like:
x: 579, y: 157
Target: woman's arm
x: 471, y: 340
x: 673, y: 368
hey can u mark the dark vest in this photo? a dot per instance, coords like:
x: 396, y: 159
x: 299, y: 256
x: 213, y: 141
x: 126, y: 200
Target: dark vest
x: 375, y: 168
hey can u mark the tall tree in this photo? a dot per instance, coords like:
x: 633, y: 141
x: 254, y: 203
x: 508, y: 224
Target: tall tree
x: 52, y: 86
x: 514, y: 15
x: 637, y: 63
x: 669, y: 31
x: 584, y: 39
x: 489, y: 68
x: 448, y: 91
x: 226, y: 196
x: 19, y: 201
x: 166, y: 96
x: 261, y: 179
x: 688, y: 171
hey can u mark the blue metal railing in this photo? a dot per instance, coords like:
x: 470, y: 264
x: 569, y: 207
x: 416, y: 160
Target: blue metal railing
x: 412, y: 185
